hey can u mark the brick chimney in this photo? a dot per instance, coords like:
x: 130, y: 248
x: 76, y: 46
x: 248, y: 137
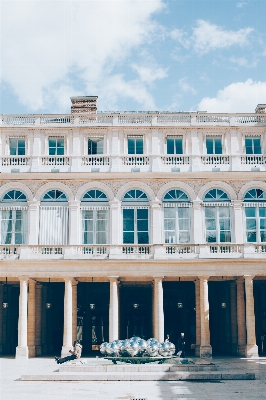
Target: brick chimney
x: 84, y: 104
x: 260, y: 109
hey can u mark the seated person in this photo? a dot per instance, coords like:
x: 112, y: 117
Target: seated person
x: 75, y: 353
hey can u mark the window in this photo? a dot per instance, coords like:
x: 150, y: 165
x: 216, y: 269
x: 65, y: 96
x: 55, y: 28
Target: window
x: 54, y: 216
x: 253, y: 145
x: 217, y: 216
x: 214, y: 145
x: 255, y: 215
x: 95, y: 146
x: 94, y: 213
x: 135, y: 217
x: 135, y: 145
x: 17, y: 147
x: 176, y: 217
x: 13, y: 217
x: 56, y: 146
x: 174, y: 145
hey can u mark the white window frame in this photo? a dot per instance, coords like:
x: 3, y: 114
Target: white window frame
x: 257, y: 206
x: 214, y: 137
x: 217, y: 222
x: 176, y: 206
x: 94, y: 210
x: 135, y: 208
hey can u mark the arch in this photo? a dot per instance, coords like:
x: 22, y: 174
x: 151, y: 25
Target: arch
x: 94, y: 195
x: 94, y: 185
x: 175, y: 196
x: 251, y: 185
x: 216, y: 195
x: 217, y: 185
x: 54, y: 195
x: 176, y: 185
x: 135, y: 195
x: 255, y: 195
x: 135, y: 185
x: 14, y: 195
x: 16, y: 186
x: 54, y: 185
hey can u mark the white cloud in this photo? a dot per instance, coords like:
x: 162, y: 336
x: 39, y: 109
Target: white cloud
x: 237, y: 97
x: 185, y: 86
x: 241, y: 4
x: 207, y: 37
x: 149, y: 73
x: 243, y: 62
x: 52, y: 47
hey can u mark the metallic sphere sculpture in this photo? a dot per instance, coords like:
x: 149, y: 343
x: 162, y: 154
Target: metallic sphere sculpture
x: 137, y: 347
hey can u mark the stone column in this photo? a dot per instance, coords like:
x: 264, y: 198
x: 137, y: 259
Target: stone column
x: 33, y: 211
x: 74, y: 223
x: 205, y: 347
x: 22, y: 348
x: 233, y: 297
x: 158, y: 314
x: 238, y: 221
x: 113, y: 309
x: 67, y: 339
x: 155, y: 222
x: 197, y: 222
x: 74, y: 309
x: 38, y: 319
x: 198, y: 319
x: 31, y: 317
x: 241, y: 318
x: 251, y: 347
x: 115, y: 221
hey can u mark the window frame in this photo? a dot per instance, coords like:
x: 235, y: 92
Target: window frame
x: 173, y: 137
x: 135, y: 224
x: 95, y: 210
x: 17, y: 139
x: 135, y: 137
x: 91, y: 138
x: 56, y: 138
x: 218, y: 230
x: 252, y: 138
x: 214, y: 138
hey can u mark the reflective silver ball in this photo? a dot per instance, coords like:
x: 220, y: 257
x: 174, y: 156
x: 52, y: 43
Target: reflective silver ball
x: 142, y: 346
x: 123, y: 345
x: 115, y: 349
x: 152, y: 349
x: 171, y: 348
x: 132, y: 348
x: 164, y: 349
x: 103, y: 348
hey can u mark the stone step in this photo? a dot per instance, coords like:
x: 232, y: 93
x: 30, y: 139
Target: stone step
x: 137, y: 376
x: 136, y: 368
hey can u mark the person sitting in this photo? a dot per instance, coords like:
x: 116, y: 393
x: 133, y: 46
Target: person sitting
x: 75, y: 353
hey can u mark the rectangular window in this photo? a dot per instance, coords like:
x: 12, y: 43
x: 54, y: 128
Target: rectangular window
x: 94, y: 226
x: 17, y: 147
x: 13, y: 227
x: 135, y: 145
x: 56, y: 146
x: 255, y: 224
x: 217, y: 223
x: 174, y: 145
x: 177, y: 225
x: 214, y: 145
x: 135, y: 226
x: 253, y: 145
x: 95, y: 146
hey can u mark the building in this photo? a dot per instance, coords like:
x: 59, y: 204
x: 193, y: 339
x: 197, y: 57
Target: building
x: 132, y: 223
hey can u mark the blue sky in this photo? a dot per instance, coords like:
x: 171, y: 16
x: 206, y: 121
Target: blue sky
x: 177, y: 55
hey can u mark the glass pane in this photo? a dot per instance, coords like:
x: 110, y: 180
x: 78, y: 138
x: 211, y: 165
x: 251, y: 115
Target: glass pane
x: 209, y: 212
x: 250, y: 211
x: 142, y: 225
x: 256, y: 145
x: 184, y: 224
x: 251, y: 224
x: 142, y: 213
x: 131, y: 146
x: 128, y: 237
x: 169, y: 224
x: 251, y: 237
x: 170, y: 144
x: 128, y: 220
x: 178, y: 146
x: 88, y: 238
x: 18, y: 238
x: 262, y: 223
x: 139, y: 146
x: 263, y: 236
x: 183, y: 212
x: 248, y: 145
x: 60, y: 151
x: 52, y: 151
x: 60, y: 143
x: 211, y: 224
x: 100, y: 146
x: 169, y: 213
x: 52, y: 142
x: 211, y: 236
x: 262, y: 212
x: 143, y: 238
x: 218, y: 146
x: 225, y: 224
x: 170, y: 237
x: 101, y: 225
x: 224, y: 212
x: 225, y: 237
x: 184, y: 237
x: 13, y: 147
x: 101, y: 238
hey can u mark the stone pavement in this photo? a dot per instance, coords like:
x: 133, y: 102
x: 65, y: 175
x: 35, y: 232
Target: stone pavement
x: 12, y: 388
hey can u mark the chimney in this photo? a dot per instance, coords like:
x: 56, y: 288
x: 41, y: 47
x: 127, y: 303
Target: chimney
x: 260, y: 109
x: 84, y: 104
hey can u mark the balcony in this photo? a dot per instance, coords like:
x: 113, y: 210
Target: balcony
x: 134, y: 252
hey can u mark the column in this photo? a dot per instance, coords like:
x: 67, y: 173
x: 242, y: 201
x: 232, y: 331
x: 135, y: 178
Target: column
x: 31, y: 317
x: 113, y: 309
x: 33, y: 210
x: 158, y: 314
x: 74, y: 222
x: 251, y: 347
x: 67, y: 338
x: 196, y: 222
x: 156, y: 214
x: 198, y: 319
x: 233, y: 297
x: 238, y: 221
x: 22, y: 348
x: 205, y: 347
x: 74, y: 309
x: 241, y: 318
x: 38, y: 319
x: 115, y: 232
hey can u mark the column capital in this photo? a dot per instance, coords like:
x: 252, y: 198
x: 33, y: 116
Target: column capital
x: 32, y: 281
x: 240, y: 280
x: 114, y: 203
x: 24, y: 278
x: 74, y: 203
x: 156, y: 204
x: 196, y: 204
x: 113, y: 278
x: 33, y: 204
x: 249, y: 278
x: 203, y: 278
x: 237, y: 204
x: 157, y: 278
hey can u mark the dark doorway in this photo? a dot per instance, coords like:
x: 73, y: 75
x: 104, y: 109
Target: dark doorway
x: 179, y: 312
x: 260, y: 315
x: 9, y: 328
x: 221, y: 306
x: 93, y: 315
x: 135, y: 311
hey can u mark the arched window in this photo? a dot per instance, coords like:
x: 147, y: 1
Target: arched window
x: 13, y: 217
x: 54, y: 218
x: 94, y: 214
x: 135, y: 205
x: 177, y: 217
x: 217, y: 216
x: 255, y: 215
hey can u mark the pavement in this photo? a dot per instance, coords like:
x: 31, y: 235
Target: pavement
x: 12, y: 388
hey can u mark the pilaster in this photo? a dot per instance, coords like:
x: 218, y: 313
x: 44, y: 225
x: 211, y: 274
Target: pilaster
x: 205, y: 347
x: 158, y: 313
x: 241, y: 318
x: 31, y: 317
x: 251, y: 346
x: 67, y: 338
x: 22, y: 348
x: 113, y: 309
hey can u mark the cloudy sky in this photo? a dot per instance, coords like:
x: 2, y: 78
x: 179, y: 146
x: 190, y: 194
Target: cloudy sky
x: 176, y: 55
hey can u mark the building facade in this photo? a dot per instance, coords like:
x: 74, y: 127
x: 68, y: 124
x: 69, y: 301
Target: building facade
x: 121, y: 224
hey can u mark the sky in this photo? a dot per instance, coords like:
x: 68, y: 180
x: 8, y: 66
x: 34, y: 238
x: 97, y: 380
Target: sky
x: 135, y: 55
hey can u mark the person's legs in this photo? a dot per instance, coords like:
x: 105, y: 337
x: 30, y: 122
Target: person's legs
x: 65, y: 359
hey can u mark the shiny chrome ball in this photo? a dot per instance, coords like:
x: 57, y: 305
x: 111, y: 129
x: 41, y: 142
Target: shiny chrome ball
x: 132, y: 348
x: 164, y: 349
x: 152, y: 349
x: 103, y: 348
x: 115, y: 349
x: 123, y: 345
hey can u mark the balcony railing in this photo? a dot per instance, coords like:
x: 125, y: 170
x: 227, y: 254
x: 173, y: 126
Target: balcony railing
x: 253, y: 159
x: 135, y: 118
x: 136, y: 160
x: 215, y: 159
x: 15, y: 160
x: 55, y: 160
x: 175, y: 160
x: 95, y: 160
